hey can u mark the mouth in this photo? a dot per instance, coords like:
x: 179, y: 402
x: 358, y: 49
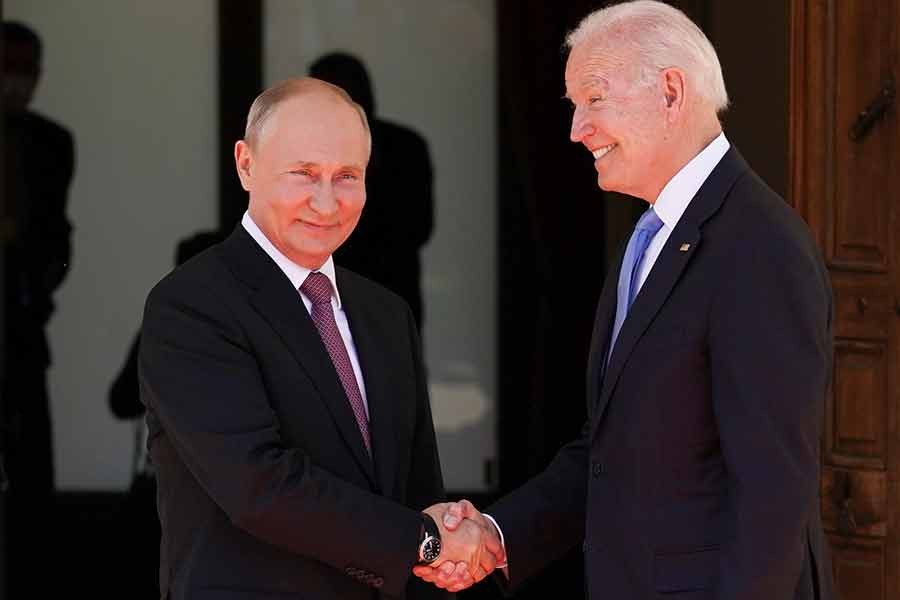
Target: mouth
x: 603, y: 151
x: 317, y: 226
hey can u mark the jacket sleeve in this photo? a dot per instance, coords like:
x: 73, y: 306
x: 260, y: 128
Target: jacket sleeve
x: 425, y: 484
x: 200, y: 378
x: 544, y: 519
x: 770, y: 353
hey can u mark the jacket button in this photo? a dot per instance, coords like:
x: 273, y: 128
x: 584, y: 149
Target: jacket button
x: 597, y: 469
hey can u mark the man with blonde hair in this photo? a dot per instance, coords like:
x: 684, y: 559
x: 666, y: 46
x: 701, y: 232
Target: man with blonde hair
x: 696, y: 474
x: 288, y: 415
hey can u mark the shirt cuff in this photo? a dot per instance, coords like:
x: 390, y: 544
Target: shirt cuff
x: 502, y: 539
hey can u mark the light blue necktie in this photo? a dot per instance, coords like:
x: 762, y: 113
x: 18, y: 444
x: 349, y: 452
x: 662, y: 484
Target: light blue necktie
x: 647, y: 227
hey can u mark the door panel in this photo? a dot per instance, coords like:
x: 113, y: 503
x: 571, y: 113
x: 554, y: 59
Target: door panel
x: 859, y: 569
x: 845, y: 138
x: 857, y: 423
x: 860, y: 38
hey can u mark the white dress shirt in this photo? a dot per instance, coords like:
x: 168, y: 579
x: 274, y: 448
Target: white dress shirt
x: 297, y: 275
x: 674, y: 198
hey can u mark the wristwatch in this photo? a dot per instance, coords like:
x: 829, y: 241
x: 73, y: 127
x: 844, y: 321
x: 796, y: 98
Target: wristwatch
x: 429, y: 541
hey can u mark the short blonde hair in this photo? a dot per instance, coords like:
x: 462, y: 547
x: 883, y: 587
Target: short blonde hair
x: 265, y: 104
x: 661, y: 36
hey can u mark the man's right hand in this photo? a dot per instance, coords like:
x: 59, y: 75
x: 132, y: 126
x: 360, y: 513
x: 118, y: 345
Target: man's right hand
x: 471, y: 547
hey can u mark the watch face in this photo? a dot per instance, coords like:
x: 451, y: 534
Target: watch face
x: 431, y: 549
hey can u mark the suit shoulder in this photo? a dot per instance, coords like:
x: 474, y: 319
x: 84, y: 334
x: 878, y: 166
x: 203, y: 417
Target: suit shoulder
x: 199, y: 279
x: 194, y: 244
x: 766, y: 236
x: 764, y: 216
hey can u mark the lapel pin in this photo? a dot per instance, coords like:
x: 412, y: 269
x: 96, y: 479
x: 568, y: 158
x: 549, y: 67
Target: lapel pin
x: 684, y: 248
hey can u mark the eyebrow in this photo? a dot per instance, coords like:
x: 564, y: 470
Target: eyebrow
x: 314, y: 165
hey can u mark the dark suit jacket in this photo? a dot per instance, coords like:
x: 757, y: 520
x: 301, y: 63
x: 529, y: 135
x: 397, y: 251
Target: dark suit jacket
x: 265, y: 486
x: 696, y: 475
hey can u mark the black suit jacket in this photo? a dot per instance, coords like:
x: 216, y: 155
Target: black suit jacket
x: 265, y: 486
x: 696, y: 475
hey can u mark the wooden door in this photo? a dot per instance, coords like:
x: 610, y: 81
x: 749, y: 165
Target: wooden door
x: 844, y: 181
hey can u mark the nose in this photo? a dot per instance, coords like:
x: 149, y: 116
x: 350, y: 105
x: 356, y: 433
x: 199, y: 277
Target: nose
x: 581, y: 126
x: 324, y: 200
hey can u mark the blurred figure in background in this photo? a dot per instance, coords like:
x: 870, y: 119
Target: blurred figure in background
x: 39, y: 162
x: 399, y: 215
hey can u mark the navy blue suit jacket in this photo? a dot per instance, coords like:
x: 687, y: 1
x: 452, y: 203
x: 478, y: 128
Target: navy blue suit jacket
x: 696, y: 475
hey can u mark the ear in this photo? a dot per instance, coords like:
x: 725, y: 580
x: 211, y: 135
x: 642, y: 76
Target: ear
x: 673, y: 82
x: 243, y: 161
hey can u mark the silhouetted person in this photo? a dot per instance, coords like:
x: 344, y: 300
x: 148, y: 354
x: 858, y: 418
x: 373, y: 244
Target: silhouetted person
x: 398, y: 218
x: 39, y: 162
x: 136, y: 551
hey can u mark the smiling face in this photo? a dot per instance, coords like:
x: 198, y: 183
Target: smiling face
x: 305, y: 173
x: 619, y: 118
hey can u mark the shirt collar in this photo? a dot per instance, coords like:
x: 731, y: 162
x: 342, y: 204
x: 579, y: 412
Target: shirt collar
x: 296, y: 273
x: 674, y: 198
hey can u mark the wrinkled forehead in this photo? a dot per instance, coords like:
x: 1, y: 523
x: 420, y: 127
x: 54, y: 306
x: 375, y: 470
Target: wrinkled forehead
x: 590, y: 64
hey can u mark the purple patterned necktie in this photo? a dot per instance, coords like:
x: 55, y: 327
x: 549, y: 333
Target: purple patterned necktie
x: 317, y: 288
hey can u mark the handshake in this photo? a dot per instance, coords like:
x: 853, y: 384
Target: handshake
x: 471, y: 547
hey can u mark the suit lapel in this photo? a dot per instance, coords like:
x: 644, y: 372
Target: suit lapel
x: 279, y: 304
x: 373, y: 348
x: 668, y: 269
x: 666, y: 272
x: 603, y: 322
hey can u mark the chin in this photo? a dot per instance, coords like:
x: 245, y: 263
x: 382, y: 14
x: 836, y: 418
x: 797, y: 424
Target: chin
x: 608, y: 185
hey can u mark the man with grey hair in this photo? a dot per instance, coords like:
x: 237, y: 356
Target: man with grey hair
x: 287, y: 406
x: 696, y: 474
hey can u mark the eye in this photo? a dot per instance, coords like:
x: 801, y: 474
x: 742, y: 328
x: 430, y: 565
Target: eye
x: 595, y: 99
x: 302, y: 172
x: 348, y: 177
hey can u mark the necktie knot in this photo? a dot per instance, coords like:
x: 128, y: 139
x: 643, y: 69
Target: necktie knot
x: 649, y: 222
x: 317, y: 288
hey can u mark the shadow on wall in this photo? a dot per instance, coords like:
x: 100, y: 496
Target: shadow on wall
x: 39, y: 161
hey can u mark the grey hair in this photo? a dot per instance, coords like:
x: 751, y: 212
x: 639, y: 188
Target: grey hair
x: 661, y: 36
x: 265, y: 104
